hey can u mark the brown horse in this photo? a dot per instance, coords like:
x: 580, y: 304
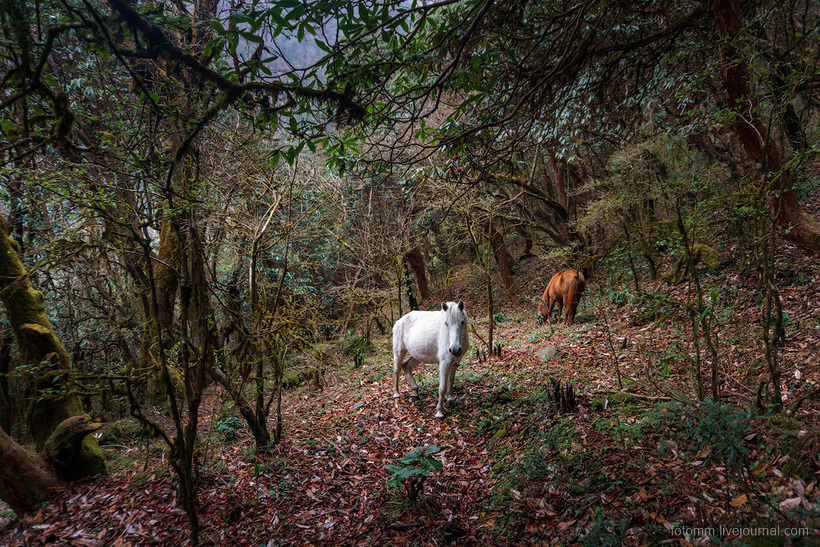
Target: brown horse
x: 565, y: 289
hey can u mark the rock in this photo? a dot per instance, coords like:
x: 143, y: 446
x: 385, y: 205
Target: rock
x: 548, y: 353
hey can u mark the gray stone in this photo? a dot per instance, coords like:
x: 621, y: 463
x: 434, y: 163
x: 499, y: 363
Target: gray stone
x: 548, y: 353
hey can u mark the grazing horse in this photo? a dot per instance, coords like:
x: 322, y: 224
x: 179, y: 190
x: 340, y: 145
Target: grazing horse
x: 431, y: 337
x: 565, y: 289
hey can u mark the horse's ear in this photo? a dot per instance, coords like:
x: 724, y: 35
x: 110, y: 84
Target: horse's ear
x: 461, y: 305
x: 444, y: 306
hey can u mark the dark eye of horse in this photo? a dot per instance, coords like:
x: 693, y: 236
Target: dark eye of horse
x: 462, y: 323
x: 446, y: 324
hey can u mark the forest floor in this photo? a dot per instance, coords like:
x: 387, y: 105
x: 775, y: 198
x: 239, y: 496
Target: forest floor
x: 638, y: 462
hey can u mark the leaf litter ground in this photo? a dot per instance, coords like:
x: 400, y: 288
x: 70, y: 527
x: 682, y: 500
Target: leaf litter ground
x: 629, y: 468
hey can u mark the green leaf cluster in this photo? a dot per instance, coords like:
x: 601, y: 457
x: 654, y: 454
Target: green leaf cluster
x: 419, y: 462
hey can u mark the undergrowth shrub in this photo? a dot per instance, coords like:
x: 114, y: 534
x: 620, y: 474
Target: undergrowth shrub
x: 228, y: 427
x: 418, y: 464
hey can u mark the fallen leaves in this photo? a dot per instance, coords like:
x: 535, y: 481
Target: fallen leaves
x: 325, y: 483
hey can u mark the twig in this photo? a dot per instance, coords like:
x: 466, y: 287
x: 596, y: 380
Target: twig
x: 405, y: 526
x: 636, y: 395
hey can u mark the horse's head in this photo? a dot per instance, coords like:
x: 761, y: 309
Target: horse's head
x: 455, y: 321
x: 542, y: 309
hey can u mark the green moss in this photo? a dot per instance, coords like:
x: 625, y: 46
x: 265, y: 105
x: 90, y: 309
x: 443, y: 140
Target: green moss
x: 118, y: 432
x: 73, y: 451
x: 700, y: 253
x: 142, y: 478
x: 91, y: 461
x: 617, y: 399
x: 290, y: 379
x: 706, y: 255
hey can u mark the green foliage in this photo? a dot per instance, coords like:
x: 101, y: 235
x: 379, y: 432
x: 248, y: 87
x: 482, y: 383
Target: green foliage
x: 358, y: 347
x: 537, y: 465
x: 806, y: 187
x: 618, y: 297
x: 499, y: 317
x: 228, y: 427
x: 723, y: 427
x: 417, y: 464
x: 606, y: 531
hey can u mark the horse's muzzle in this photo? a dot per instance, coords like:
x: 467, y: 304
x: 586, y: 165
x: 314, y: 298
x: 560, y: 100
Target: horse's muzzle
x: 456, y: 350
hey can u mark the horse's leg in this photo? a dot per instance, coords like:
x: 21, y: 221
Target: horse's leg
x: 407, y: 367
x: 398, y: 355
x: 443, y: 377
x: 550, y: 305
x: 451, y: 382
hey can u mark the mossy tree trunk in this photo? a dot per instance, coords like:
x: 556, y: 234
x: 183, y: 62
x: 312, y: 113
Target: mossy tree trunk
x: 41, y: 349
x: 166, y: 274
x: 26, y: 479
x: 5, y: 369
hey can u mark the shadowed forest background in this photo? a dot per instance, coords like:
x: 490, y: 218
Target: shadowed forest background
x: 213, y: 213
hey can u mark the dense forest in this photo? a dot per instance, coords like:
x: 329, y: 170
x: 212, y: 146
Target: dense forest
x: 212, y: 215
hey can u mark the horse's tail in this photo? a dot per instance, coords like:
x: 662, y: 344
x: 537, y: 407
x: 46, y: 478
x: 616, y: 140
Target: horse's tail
x: 398, y: 329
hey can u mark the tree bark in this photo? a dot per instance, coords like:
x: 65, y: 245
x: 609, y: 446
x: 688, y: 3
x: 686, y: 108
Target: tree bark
x: 257, y: 421
x: 68, y: 449
x: 416, y: 262
x: 408, y: 286
x: 166, y: 274
x: 502, y: 257
x: 5, y: 369
x: 558, y: 172
x: 26, y: 479
x: 39, y: 346
x: 526, y: 234
x: 794, y: 223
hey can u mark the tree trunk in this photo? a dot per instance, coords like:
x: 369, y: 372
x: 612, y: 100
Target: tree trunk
x: 408, y: 286
x: 26, y: 479
x: 68, y: 449
x: 166, y: 274
x: 416, y: 262
x: 502, y: 257
x: 5, y: 369
x: 525, y: 233
x: 794, y: 223
x: 558, y: 172
x: 39, y: 348
x: 256, y: 423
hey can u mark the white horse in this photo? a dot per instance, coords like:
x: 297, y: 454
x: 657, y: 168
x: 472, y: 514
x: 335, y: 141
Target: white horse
x: 431, y: 337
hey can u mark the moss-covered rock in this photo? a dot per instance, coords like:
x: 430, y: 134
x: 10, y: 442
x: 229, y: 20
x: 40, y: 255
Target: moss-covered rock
x: 618, y: 399
x: 291, y: 379
x: 706, y: 255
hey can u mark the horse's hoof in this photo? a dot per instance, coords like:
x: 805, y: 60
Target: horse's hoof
x: 439, y: 418
x: 414, y: 398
